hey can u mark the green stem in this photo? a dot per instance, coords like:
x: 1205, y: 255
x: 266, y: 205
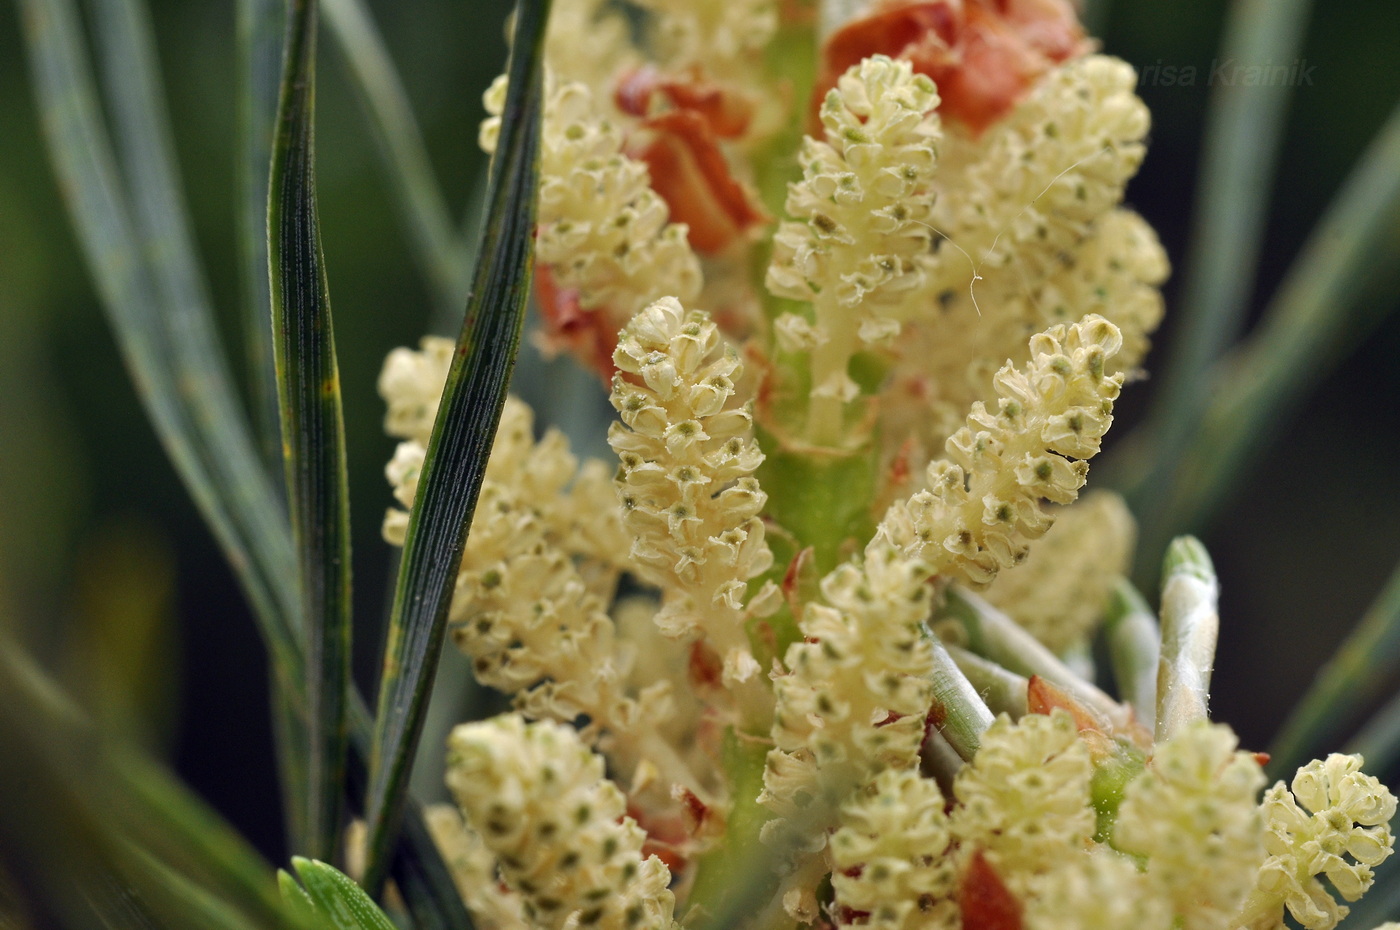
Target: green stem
x: 1361, y: 669
x: 1190, y: 626
x: 737, y: 877
x: 830, y: 363
x: 1003, y: 692
x: 995, y: 636
x: 1112, y: 775
x: 820, y: 496
x: 1134, y: 649
x: 958, y: 712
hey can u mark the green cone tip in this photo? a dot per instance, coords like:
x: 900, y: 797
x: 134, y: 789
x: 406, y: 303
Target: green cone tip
x: 1187, y: 555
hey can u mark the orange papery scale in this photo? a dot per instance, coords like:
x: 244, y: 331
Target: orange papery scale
x: 646, y: 91
x: 797, y: 12
x: 696, y: 813
x: 1042, y: 697
x: 801, y: 581
x: 985, y: 901
x: 1049, y: 26
x: 588, y: 335
x: 689, y: 172
x: 984, y: 55
x: 849, y: 916
x: 666, y: 834
x: 705, y: 667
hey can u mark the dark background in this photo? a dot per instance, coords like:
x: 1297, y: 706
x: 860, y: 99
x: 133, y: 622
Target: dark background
x: 94, y: 524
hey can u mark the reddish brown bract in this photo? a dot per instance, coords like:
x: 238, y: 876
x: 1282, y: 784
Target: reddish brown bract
x: 985, y: 901
x: 647, y: 90
x: 984, y: 55
x: 683, y: 120
x: 689, y: 172
x: 589, y: 335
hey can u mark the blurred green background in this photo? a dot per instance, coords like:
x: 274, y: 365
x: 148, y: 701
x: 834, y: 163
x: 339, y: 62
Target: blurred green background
x: 102, y: 553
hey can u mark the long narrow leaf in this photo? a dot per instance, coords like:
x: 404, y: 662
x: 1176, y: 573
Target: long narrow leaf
x: 993, y: 635
x: 313, y: 429
x: 1378, y: 742
x: 424, y: 880
x: 1242, y: 133
x: 1243, y: 128
x: 132, y: 85
x: 440, y: 252
x: 173, y: 895
x: 93, y: 800
x: 339, y: 901
x: 1335, y: 292
x: 259, y: 551
x: 261, y: 24
x: 170, y: 352
x: 143, y: 129
x: 172, y: 824
x: 60, y: 872
x: 417, y: 868
x: 142, y: 256
x: 290, y: 743
x: 1134, y: 648
x: 113, y: 903
x: 1355, y: 675
x: 959, y: 714
x: 461, y: 440
x: 184, y: 309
